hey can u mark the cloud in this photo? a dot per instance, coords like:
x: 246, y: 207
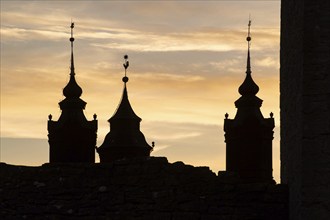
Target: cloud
x: 30, y: 34
x: 169, y: 77
x: 268, y: 62
x: 144, y: 15
x: 222, y: 40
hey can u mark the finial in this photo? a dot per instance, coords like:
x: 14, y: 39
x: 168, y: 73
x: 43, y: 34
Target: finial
x: 153, y: 144
x: 248, y: 87
x: 72, y: 89
x: 248, y: 39
x: 95, y: 116
x: 50, y: 117
x: 249, y: 25
x: 72, y: 26
x: 271, y: 114
x: 226, y: 115
x: 71, y: 40
x: 125, y: 64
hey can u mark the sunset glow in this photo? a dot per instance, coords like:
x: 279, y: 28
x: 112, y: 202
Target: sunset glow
x: 187, y: 60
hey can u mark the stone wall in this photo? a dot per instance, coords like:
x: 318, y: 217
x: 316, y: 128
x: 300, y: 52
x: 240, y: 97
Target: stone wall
x: 291, y: 100
x: 136, y: 189
x: 305, y: 106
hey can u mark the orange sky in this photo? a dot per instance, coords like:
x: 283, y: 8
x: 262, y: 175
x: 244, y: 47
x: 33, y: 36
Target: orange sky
x: 187, y: 59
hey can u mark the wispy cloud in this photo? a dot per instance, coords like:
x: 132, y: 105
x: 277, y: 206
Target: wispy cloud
x: 22, y: 34
x: 268, y: 62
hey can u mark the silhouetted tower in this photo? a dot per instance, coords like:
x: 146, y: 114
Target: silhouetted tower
x: 72, y: 139
x: 125, y: 140
x: 249, y: 135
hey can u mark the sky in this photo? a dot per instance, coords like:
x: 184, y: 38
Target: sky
x: 187, y: 60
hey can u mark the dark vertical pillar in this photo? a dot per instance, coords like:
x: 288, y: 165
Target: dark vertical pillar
x: 305, y: 106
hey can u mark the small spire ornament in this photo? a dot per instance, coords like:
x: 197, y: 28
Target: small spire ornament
x: 125, y: 64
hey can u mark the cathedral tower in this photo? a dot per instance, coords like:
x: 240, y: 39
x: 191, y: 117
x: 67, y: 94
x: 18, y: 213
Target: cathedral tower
x: 72, y: 139
x: 125, y: 140
x: 249, y: 135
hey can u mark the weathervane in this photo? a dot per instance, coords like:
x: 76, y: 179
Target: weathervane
x: 125, y: 64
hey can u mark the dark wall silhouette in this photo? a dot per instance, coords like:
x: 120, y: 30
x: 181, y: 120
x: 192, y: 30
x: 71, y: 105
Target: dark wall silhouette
x: 134, y: 189
x: 305, y: 106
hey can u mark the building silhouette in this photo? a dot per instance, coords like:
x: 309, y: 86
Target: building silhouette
x: 125, y: 140
x: 249, y: 135
x: 72, y: 139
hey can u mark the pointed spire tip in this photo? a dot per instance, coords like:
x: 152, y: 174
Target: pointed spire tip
x: 248, y: 87
x: 72, y: 89
x: 72, y: 73
x: 248, y: 38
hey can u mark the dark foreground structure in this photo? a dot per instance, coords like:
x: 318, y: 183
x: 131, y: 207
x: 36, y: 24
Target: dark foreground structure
x: 125, y: 140
x: 72, y: 139
x: 305, y: 107
x: 149, y: 188
x: 249, y: 135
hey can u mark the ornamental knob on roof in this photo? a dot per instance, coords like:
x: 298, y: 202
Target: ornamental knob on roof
x: 125, y: 79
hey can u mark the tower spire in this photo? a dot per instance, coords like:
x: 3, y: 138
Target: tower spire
x: 72, y: 73
x: 125, y: 140
x: 248, y: 39
x: 248, y: 87
x: 72, y: 89
x: 124, y: 109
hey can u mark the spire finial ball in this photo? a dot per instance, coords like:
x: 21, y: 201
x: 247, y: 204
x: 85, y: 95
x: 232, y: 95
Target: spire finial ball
x: 248, y: 38
x: 125, y: 79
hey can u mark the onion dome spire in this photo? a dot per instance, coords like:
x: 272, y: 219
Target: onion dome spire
x: 249, y: 135
x: 72, y: 89
x: 248, y: 87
